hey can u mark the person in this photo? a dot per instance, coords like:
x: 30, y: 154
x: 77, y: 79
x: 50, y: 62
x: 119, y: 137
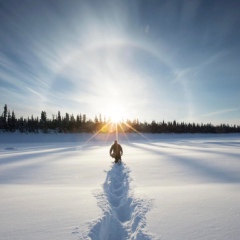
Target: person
x: 116, y: 152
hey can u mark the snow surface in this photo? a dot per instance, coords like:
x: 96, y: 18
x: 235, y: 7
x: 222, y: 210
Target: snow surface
x: 65, y: 186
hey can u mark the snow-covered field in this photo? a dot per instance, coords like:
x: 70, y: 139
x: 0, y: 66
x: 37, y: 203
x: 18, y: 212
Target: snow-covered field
x: 62, y: 186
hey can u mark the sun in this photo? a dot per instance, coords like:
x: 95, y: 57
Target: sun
x: 115, y: 113
x: 116, y: 117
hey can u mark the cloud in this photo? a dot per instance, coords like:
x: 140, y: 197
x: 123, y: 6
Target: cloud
x: 83, y: 54
x: 221, y: 112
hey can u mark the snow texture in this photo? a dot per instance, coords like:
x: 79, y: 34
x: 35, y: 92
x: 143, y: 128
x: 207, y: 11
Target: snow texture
x: 64, y: 186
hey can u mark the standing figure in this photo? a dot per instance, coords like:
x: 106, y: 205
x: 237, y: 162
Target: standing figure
x: 116, y: 152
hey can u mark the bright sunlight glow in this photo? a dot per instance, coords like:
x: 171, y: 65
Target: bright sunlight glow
x: 115, y: 113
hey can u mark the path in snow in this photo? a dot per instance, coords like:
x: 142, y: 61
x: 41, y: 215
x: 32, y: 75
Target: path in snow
x: 124, y: 216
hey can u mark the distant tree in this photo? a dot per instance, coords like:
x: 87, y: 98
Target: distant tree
x: 59, y: 117
x: 37, y: 124
x: 78, y: 123
x: 13, y: 121
x: 29, y: 125
x: 80, y: 118
x: 67, y: 117
x: 9, y: 121
x: 96, y: 119
x: 154, y: 127
x: 43, y: 122
x: 21, y: 125
x: 59, y: 122
x: 72, y: 124
x: 5, y: 112
x: 43, y: 117
x: 65, y: 123
x: 84, y: 118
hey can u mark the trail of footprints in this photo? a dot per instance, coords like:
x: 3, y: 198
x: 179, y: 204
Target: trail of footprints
x: 124, y: 216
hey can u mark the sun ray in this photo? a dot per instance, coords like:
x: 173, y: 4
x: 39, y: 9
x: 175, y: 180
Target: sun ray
x: 116, y: 130
x: 107, y: 136
x: 136, y: 131
x: 113, y: 127
x: 98, y: 132
x: 123, y: 131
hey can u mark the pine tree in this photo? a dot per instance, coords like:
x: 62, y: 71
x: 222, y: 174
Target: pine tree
x: 9, y: 121
x: 13, y: 121
x: 5, y: 117
x: 84, y: 118
x: 72, y: 123
x: 59, y: 117
x: 21, y: 125
x: 43, y: 121
x: 59, y: 122
x: 80, y: 118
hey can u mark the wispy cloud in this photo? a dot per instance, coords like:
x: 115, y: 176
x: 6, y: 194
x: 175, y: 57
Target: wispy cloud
x: 221, y: 112
x: 151, y: 58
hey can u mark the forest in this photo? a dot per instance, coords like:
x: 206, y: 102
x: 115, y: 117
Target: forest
x: 68, y: 123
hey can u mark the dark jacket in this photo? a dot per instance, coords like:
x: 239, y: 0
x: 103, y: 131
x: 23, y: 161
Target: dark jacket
x: 116, y: 149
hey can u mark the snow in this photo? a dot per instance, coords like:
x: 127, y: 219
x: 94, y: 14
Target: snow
x: 170, y: 186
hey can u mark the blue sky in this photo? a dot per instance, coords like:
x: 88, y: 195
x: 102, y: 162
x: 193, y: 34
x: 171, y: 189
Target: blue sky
x: 146, y: 59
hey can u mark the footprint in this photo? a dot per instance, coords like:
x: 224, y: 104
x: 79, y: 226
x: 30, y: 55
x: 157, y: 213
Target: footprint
x: 124, y: 217
x: 75, y: 230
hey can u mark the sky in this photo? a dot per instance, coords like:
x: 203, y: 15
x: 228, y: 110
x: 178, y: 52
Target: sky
x: 134, y: 59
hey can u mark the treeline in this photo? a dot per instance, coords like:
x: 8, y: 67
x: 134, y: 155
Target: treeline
x: 81, y: 124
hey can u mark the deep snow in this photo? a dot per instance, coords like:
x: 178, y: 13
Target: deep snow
x: 63, y: 186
